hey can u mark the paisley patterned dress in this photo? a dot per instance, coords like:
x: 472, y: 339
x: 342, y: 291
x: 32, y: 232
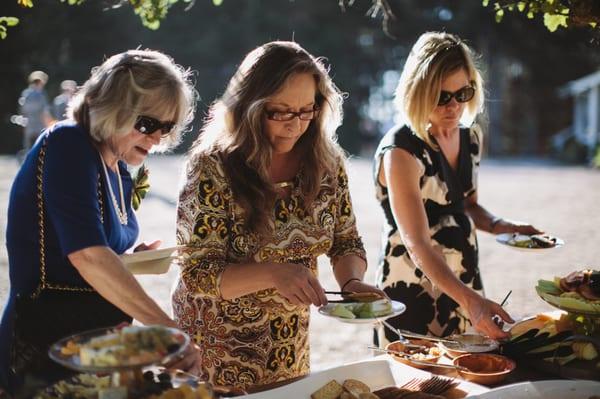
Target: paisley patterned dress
x: 258, y: 338
x: 452, y: 232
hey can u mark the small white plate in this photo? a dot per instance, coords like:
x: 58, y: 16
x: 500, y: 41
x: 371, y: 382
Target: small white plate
x: 153, y: 261
x: 397, y: 308
x: 509, y: 239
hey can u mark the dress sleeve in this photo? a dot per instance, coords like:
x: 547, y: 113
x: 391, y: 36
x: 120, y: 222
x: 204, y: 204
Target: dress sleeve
x: 346, y: 240
x: 70, y: 184
x: 203, y: 224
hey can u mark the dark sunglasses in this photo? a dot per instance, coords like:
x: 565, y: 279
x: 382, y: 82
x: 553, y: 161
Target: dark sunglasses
x: 462, y: 95
x: 149, y: 125
x: 284, y: 116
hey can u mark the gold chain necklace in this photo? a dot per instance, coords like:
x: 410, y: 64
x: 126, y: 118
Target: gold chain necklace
x: 121, y: 211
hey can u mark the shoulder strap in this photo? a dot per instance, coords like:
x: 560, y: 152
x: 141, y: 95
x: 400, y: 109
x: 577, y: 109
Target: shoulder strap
x: 44, y: 284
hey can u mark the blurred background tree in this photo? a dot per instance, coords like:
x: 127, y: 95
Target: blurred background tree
x: 523, y: 61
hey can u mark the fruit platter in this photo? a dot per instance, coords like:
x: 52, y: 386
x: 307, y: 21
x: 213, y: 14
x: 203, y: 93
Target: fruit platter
x: 578, y: 292
x: 566, y: 342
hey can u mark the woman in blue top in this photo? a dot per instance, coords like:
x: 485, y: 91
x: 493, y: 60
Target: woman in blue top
x: 70, y: 213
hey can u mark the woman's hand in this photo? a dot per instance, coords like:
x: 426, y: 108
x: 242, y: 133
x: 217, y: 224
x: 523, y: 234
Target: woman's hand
x: 512, y: 226
x: 360, y: 286
x: 297, y: 284
x: 145, y: 247
x: 487, y: 317
x: 190, y: 360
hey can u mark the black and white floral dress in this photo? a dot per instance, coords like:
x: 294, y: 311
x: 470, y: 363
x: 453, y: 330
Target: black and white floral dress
x: 452, y: 232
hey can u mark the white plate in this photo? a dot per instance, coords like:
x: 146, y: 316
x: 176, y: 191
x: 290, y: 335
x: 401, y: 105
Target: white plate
x: 154, y: 261
x: 397, y: 308
x: 377, y: 372
x: 74, y: 362
x: 507, y: 238
x: 551, y: 389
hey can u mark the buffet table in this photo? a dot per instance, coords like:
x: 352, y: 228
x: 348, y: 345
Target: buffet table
x: 381, y: 371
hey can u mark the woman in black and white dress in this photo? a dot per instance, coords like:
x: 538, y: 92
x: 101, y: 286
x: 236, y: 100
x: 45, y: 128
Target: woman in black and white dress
x: 426, y: 180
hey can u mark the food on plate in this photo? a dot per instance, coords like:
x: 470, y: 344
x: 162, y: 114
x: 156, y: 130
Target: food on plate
x: 543, y: 337
x: 578, y: 291
x: 363, y: 310
x: 400, y: 393
x: 184, y: 392
x: 586, y: 283
x: 419, y: 350
x: 459, y: 344
x: 331, y: 390
x: 350, y: 389
x: 82, y: 386
x: 127, y: 346
x: 530, y: 241
x: 355, y: 387
x: 154, y: 385
x: 364, y: 296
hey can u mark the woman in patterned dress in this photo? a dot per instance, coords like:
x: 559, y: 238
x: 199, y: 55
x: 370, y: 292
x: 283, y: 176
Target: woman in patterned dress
x: 266, y: 192
x: 426, y: 181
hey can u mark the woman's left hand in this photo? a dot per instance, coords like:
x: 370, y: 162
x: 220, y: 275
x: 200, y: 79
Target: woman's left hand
x: 359, y: 286
x: 145, y: 247
x: 189, y: 361
x: 512, y: 226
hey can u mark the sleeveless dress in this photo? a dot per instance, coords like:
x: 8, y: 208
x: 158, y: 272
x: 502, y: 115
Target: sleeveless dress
x: 452, y: 232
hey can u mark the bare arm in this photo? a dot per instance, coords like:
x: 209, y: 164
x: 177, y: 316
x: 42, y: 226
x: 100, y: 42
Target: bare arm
x: 104, y: 271
x: 401, y: 175
x: 486, y: 221
x: 295, y: 282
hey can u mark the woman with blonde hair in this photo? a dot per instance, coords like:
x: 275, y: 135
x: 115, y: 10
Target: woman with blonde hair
x: 266, y: 192
x: 70, y: 214
x: 426, y: 182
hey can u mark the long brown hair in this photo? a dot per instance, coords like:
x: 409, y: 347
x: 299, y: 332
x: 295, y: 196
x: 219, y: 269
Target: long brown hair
x: 234, y: 128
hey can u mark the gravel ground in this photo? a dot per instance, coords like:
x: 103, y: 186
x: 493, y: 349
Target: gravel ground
x: 559, y: 199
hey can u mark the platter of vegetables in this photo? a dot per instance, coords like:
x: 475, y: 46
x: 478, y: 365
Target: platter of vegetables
x: 551, y: 343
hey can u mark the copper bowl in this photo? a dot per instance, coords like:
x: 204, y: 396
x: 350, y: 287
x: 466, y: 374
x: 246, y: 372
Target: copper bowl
x: 484, y: 368
x: 429, y: 355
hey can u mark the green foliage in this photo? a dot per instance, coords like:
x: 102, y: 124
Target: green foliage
x: 596, y: 160
x: 5, y: 22
x: 556, y: 13
x: 151, y: 12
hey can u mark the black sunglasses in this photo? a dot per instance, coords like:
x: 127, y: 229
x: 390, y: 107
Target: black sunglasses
x: 284, y: 116
x: 461, y: 95
x: 148, y: 125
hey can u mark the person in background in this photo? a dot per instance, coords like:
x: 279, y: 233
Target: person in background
x: 70, y: 215
x: 266, y: 193
x: 426, y: 182
x: 33, y: 105
x: 60, y: 103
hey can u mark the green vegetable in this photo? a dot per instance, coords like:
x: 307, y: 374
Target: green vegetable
x: 340, y: 310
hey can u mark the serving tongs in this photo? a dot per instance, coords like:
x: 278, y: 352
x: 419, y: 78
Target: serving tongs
x: 419, y: 362
x: 349, y: 296
x: 403, y: 334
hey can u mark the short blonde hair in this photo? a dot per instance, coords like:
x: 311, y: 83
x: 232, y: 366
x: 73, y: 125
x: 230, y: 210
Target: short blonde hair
x: 133, y: 83
x: 433, y: 57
